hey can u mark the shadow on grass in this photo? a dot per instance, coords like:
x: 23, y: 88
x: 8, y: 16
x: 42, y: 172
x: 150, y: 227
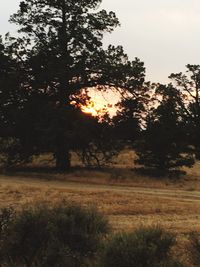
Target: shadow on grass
x: 160, y: 174
x: 49, y: 173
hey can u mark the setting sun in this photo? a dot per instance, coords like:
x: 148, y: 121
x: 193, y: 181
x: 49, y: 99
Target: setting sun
x: 90, y: 108
x: 95, y: 108
x: 101, y: 103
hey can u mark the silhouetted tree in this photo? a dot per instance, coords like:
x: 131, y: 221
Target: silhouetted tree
x: 59, y: 53
x: 188, y: 86
x: 8, y: 90
x: 132, y: 108
x: 60, y: 45
x: 164, y: 144
x: 12, y: 100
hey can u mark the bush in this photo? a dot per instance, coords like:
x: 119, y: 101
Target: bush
x: 146, y: 247
x: 58, y: 236
x: 6, y: 216
x: 195, y: 248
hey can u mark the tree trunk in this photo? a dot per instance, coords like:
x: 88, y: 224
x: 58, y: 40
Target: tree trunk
x: 63, y: 160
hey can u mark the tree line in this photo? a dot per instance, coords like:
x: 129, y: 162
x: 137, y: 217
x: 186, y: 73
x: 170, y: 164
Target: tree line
x: 57, y: 54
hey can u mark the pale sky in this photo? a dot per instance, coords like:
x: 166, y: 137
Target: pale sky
x: 165, y: 34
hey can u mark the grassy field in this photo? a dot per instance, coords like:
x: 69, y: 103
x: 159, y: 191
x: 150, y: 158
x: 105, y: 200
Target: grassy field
x: 127, y: 204
x: 129, y: 200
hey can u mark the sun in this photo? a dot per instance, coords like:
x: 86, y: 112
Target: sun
x: 93, y: 108
x: 97, y: 103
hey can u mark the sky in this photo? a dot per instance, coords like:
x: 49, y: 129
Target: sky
x: 165, y: 34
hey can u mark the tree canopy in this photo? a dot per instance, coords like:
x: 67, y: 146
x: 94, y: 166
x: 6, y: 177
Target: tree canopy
x: 57, y: 55
x: 60, y: 51
x: 164, y: 144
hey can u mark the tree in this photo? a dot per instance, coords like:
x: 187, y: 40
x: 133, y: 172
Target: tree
x: 132, y: 108
x: 164, y: 143
x: 61, y: 47
x: 12, y: 99
x: 188, y: 86
x: 9, y: 90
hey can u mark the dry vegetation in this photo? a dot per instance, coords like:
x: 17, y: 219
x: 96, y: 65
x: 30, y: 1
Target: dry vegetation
x: 128, y: 199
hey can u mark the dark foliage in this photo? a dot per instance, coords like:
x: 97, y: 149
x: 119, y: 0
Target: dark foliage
x: 43, y: 236
x: 59, y: 53
x: 164, y: 144
x: 194, y: 248
x: 188, y: 86
x: 132, y: 107
x: 146, y: 247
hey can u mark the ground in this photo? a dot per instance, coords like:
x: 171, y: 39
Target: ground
x: 127, y: 206
x: 129, y: 200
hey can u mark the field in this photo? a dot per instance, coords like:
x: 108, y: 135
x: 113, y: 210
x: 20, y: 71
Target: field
x: 129, y: 200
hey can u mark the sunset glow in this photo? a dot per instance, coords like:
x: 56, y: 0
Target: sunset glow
x: 90, y: 108
x: 101, y: 103
x: 95, y: 108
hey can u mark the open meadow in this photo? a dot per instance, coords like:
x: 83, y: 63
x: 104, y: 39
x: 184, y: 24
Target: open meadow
x: 127, y: 198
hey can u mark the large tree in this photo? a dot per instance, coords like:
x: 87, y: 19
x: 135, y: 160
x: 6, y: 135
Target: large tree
x: 12, y: 100
x: 61, y: 52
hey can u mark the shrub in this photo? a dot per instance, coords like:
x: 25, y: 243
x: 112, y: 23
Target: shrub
x: 146, y: 247
x: 58, y: 236
x: 195, y: 248
x: 6, y: 216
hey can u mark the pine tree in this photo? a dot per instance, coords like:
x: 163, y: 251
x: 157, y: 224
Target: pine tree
x: 164, y: 144
x: 60, y: 48
x: 188, y: 86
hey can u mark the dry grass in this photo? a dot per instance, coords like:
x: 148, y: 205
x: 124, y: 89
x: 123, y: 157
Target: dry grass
x: 126, y: 205
x: 129, y: 200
